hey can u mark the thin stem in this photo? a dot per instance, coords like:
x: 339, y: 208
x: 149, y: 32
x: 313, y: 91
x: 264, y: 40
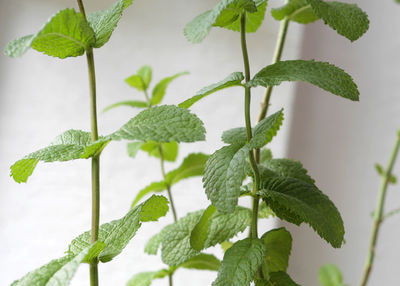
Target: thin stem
x: 168, y: 187
x: 256, y: 198
x: 378, y: 214
x: 171, y: 283
x: 94, y: 233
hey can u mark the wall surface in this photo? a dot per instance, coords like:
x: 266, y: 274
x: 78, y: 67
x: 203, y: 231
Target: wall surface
x: 41, y: 97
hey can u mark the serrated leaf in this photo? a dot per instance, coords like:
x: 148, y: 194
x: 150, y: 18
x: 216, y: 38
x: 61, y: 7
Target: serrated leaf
x: 145, y: 278
x: 321, y: 74
x: 236, y: 135
x: 241, y: 263
x: 199, y: 233
x: 330, y: 275
x: 299, y: 11
x: 280, y: 279
x: 279, y: 245
x: 169, y: 149
x: 163, y: 124
x: 297, y: 201
x: 161, y: 87
x: 117, y: 234
x: 66, y: 34
x: 347, y: 19
x: 104, y: 22
x: 71, y: 145
x: 130, y: 103
x: 234, y: 79
x: 202, y: 262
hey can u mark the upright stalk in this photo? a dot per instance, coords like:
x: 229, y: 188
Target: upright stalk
x: 378, y: 214
x: 94, y: 233
x: 256, y: 198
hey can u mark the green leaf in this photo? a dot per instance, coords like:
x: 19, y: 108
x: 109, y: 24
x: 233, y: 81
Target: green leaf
x: 117, y: 234
x: 297, y: 201
x: 264, y: 211
x: 347, y: 19
x: 321, y: 74
x: 280, y: 279
x: 330, y: 275
x: 104, y: 22
x: 175, y: 238
x: 161, y: 87
x: 226, y: 245
x: 145, y: 278
x: 71, y: 145
x: 241, y: 263
x: 235, y: 136
x: 234, y: 79
x: 169, y: 149
x: 145, y: 74
x: 199, y: 233
x: 133, y: 148
x: 136, y: 81
x: 163, y: 124
x: 66, y: 34
x: 131, y: 103
x: 202, y: 262
x: 266, y: 155
x: 59, y: 272
x: 299, y: 11
x: 155, y: 187
x: 279, y: 244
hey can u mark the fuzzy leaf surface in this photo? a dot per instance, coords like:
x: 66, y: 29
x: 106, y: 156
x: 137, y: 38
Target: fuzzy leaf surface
x: 163, y: 124
x: 161, y: 87
x: 330, y: 275
x: 241, y: 263
x: 297, y: 201
x: 321, y: 74
x: 234, y: 79
x: 130, y: 103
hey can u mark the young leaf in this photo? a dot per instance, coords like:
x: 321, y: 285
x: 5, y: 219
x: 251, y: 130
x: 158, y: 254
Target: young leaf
x: 66, y: 34
x: 131, y: 103
x: 279, y: 245
x: 280, y: 278
x: 136, y: 81
x: 133, y: 148
x: 330, y: 275
x: 169, y: 149
x: 161, y: 87
x: 321, y: 74
x: 163, y: 124
x: 104, y: 22
x: 145, y: 278
x: 347, y: 19
x: 297, y: 201
x: 299, y: 11
x: 71, y: 145
x: 155, y: 187
x: 145, y: 74
x: 241, y: 263
x: 234, y: 79
x: 199, y: 233
x: 117, y: 234
x: 202, y: 262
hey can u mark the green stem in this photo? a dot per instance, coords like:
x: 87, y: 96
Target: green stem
x: 256, y: 198
x: 378, y: 214
x: 171, y: 283
x: 168, y: 186
x: 94, y: 233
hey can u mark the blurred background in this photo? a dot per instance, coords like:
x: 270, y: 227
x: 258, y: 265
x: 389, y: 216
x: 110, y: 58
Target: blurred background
x: 338, y: 141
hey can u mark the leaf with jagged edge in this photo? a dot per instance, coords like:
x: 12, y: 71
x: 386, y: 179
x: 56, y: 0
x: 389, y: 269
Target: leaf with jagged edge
x: 66, y: 34
x: 163, y: 123
x: 192, y: 166
x: 236, y: 135
x: 299, y: 11
x: 175, y: 238
x: 159, y: 90
x: 104, y: 22
x: 279, y: 245
x: 117, y: 234
x: 296, y: 201
x: 279, y: 278
x: 347, y: 19
x: 169, y: 149
x: 321, y: 74
x: 70, y: 145
x: 330, y: 275
x: 234, y: 79
x: 59, y: 272
x: 241, y: 262
x: 146, y: 278
x: 130, y: 103
x: 225, y: 169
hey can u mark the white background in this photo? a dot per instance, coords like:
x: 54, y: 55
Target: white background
x: 338, y: 141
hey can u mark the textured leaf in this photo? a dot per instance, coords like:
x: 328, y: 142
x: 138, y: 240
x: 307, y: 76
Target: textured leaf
x: 66, y: 34
x: 153, y: 244
x: 280, y: 279
x: 330, y: 275
x: 241, y: 263
x: 163, y: 124
x: 347, y: 19
x: 161, y: 87
x: 279, y: 244
x: 131, y: 103
x: 295, y: 10
x: 199, y: 233
x: 117, y: 234
x: 104, y: 22
x: 71, y: 145
x: 235, y: 136
x: 169, y: 149
x: 234, y: 79
x: 202, y: 262
x: 297, y: 201
x: 145, y: 278
x: 321, y: 74
x: 145, y: 74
